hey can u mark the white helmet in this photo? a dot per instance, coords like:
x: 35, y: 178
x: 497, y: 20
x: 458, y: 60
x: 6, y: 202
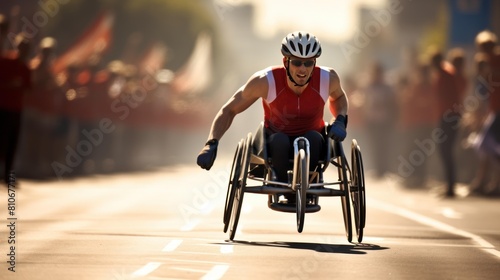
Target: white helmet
x: 301, y: 44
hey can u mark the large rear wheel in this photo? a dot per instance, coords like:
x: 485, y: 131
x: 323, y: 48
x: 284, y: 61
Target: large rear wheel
x: 358, y: 194
x: 344, y: 186
x: 234, y: 177
x: 240, y: 187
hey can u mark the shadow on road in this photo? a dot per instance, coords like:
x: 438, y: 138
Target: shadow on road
x: 360, y: 248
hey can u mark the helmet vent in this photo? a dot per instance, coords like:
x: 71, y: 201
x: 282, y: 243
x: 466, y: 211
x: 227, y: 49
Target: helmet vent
x: 285, y: 49
x: 308, y: 47
x: 314, y: 46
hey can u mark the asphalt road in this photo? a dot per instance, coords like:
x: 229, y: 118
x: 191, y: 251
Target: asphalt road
x: 167, y: 224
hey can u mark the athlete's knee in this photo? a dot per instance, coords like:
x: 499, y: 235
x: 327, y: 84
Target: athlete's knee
x: 314, y: 137
x: 279, y: 144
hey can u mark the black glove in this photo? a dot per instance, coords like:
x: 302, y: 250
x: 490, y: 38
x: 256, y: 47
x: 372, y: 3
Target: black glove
x: 338, y: 129
x: 208, y: 154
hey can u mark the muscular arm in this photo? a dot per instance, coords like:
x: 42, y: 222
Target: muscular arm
x: 337, y: 100
x: 255, y: 88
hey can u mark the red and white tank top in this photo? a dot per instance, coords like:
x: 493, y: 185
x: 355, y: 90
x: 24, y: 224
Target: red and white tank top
x: 292, y: 114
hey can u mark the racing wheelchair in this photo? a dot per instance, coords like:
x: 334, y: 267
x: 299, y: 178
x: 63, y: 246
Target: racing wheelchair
x: 251, y: 163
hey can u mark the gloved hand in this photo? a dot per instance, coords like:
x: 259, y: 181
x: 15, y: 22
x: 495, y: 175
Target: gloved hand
x: 338, y: 129
x: 208, y: 154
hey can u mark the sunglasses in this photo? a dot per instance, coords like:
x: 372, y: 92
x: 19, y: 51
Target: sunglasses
x: 298, y: 63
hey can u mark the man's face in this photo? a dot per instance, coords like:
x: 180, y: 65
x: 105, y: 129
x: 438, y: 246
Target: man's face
x: 300, y: 68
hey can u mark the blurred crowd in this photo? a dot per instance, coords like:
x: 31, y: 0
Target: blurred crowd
x: 88, y: 118
x: 435, y: 117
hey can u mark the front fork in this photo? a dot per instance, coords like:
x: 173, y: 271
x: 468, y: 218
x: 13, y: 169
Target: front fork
x: 299, y: 143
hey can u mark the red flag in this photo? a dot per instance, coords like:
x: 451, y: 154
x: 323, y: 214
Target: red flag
x: 95, y: 40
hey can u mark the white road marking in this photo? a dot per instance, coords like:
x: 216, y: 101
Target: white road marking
x: 485, y: 245
x: 145, y: 270
x: 216, y: 272
x: 172, y: 245
x: 449, y: 212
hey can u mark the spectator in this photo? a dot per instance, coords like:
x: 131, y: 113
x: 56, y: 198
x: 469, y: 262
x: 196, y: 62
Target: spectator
x: 474, y: 119
x: 489, y: 138
x: 445, y: 90
x: 456, y: 57
x: 15, y: 82
x: 39, y: 117
x: 379, y: 118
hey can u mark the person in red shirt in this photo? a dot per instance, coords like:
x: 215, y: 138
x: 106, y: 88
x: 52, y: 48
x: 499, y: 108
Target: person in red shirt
x: 293, y: 96
x: 15, y: 81
x: 445, y: 90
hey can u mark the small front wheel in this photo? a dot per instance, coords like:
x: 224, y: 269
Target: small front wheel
x: 301, y: 192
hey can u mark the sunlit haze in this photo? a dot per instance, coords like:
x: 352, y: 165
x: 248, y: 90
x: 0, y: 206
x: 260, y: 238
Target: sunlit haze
x: 331, y: 20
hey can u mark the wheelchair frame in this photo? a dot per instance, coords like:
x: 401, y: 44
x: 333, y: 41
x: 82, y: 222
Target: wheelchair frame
x: 307, y: 186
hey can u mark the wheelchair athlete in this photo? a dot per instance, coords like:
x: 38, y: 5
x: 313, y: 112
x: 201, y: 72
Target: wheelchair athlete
x: 293, y: 96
